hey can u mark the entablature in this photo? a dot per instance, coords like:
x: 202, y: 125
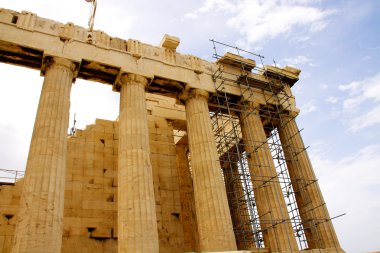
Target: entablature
x: 27, y: 39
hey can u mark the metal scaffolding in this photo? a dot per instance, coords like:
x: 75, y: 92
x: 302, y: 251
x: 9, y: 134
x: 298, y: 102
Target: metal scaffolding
x: 10, y: 176
x: 224, y: 112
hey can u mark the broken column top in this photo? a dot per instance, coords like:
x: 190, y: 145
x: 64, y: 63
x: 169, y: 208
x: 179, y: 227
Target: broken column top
x: 288, y: 74
x: 237, y: 61
x: 170, y: 42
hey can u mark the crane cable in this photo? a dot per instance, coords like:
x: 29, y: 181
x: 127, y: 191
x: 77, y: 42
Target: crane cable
x: 92, y: 15
x: 91, y: 21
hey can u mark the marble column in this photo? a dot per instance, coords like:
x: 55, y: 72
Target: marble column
x: 213, y: 215
x: 39, y: 226
x: 186, y: 190
x: 274, y: 218
x: 236, y: 196
x: 318, y: 227
x: 137, y: 222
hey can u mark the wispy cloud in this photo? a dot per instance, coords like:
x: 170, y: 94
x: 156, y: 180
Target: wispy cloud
x: 365, y: 120
x: 361, y: 91
x: 308, y: 107
x: 300, y: 39
x: 323, y: 86
x: 360, y: 172
x: 259, y: 20
x: 332, y: 100
x: 362, y: 105
x: 299, y: 60
x: 212, y: 6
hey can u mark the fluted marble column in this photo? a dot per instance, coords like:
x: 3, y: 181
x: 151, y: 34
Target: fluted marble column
x: 39, y: 227
x: 137, y: 222
x: 213, y: 215
x: 186, y: 191
x: 274, y: 218
x: 245, y: 237
x: 318, y: 227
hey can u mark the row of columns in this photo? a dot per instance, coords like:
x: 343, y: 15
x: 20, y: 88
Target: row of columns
x: 237, y: 200
x: 271, y: 206
x: 39, y: 229
x: 317, y: 225
x: 211, y: 205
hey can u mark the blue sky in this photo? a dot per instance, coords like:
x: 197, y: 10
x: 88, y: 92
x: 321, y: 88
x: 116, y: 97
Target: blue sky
x: 335, y: 43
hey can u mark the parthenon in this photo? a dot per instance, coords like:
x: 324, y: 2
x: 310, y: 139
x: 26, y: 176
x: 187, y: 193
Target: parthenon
x: 204, y: 156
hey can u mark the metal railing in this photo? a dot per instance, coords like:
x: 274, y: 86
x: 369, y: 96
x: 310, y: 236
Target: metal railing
x: 10, y: 176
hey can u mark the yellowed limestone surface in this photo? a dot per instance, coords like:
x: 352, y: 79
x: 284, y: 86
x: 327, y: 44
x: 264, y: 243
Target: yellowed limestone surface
x: 39, y: 226
x: 188, y: 212
x: 310, y: 201
x: 238, y: 207
x: 126, y: 186
x: 137, y: 227
x: 274, y: 217
x: 213, y: 215
x: 90, y: 213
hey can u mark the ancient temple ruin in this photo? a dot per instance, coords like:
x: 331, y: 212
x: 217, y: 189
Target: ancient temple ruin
x: 204, y: 156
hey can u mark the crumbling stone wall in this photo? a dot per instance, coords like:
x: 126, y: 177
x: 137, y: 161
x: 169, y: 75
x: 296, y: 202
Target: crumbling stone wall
x: 90, y: 214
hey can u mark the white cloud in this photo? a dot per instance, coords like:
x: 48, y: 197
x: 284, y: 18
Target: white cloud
x: 241, y: 43
x: 191, y: 15
x: 324, y: 86
x: 318, y: 26
x: 368, y: 88
x: 368, y: 119
x: 362, y: 95
x: 366, y: 58
x: 101, y: 103
x: 308, y: 107
x: 260, y: 20
x: 119, y: 25
x: 299, y: 60
x: 113, y: 19
x: 217, y: 5
x: 19, y: 101
x: 212, y: 6
x: 350, y: 185
x: 332, y: 100
x: 300, y: 39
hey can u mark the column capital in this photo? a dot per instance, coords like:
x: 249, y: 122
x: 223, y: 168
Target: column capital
x: 292, y: 114
x: 193, y: 93
x: 129, y: 78
x: 50, y: 61
x: 271, y: 205
x: 46, y: 164
x: 286, y: 117
x: 251, y: 106
x: 137, y: 224
x: 212, y: 210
